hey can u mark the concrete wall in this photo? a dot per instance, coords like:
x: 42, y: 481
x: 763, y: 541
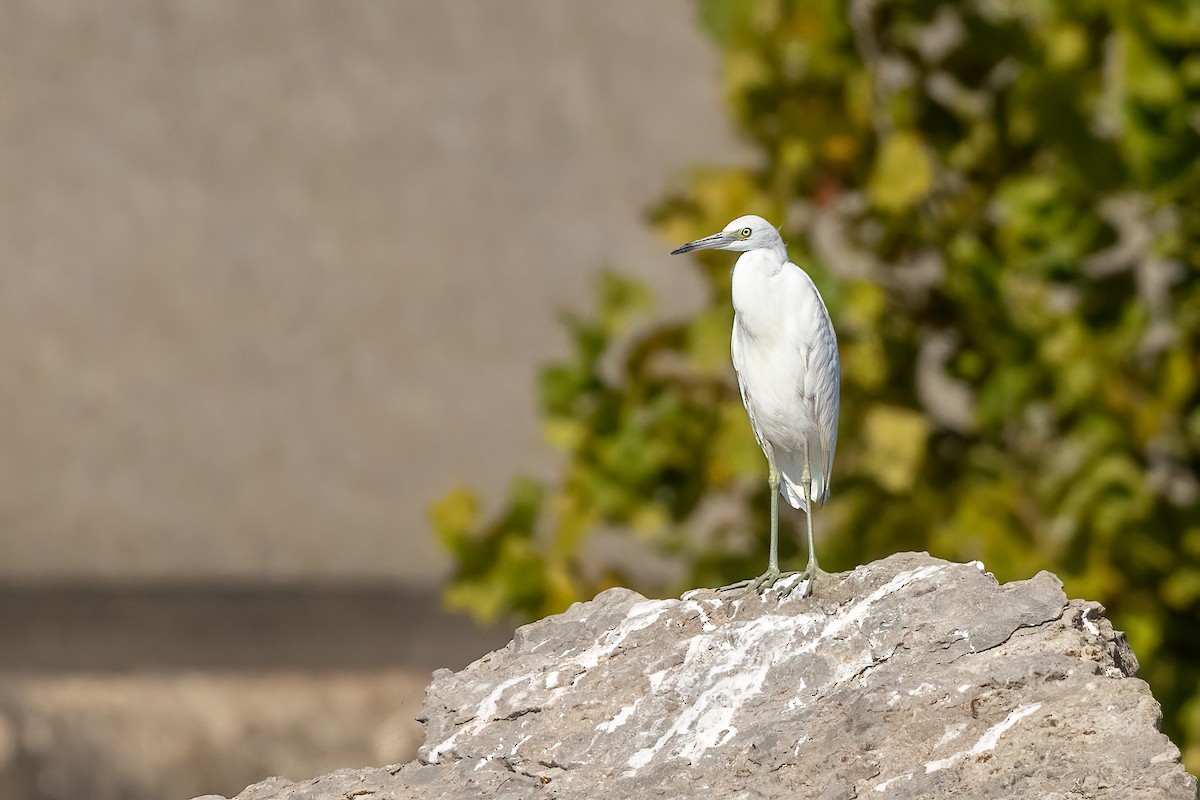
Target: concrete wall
x: 274, y: 275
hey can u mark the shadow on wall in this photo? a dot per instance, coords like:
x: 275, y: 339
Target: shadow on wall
x: 152, y: 692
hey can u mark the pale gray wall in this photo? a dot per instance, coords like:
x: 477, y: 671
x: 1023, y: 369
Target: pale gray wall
x: 275, y: 274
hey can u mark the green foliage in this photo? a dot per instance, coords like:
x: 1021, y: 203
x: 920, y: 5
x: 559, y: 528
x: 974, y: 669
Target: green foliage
x: 1001, y: 204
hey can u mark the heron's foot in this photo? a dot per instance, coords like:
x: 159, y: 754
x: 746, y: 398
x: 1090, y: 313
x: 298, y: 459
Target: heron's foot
x: 762, y: 584
x: 807, y: 578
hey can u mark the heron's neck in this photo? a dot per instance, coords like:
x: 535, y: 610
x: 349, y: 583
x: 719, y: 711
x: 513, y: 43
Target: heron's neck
x: 768, y: 259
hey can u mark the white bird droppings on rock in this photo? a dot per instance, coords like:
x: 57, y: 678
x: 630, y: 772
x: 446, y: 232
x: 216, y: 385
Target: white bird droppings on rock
x: 986, y: 742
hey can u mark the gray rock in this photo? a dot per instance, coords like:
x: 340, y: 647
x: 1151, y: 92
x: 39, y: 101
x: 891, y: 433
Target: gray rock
x: 907, y: 678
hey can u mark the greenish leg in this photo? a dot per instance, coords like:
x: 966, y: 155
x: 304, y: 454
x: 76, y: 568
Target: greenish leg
x: 765, y: 582
x: 773, y: 482
x: 809, y: 576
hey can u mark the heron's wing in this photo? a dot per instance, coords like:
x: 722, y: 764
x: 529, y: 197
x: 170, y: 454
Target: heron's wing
x: 821, y: 391
x: 736, y: 352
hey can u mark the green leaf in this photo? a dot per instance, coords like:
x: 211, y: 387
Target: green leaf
x: 894, y: 446
x: 903, y: 173
x: 453, y: 517
x: 708, y: 339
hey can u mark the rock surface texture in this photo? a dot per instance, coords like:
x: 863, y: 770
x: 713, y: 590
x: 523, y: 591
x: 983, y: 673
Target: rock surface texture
x: 907, y: 678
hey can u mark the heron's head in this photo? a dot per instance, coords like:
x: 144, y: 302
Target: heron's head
x: 744, y: 233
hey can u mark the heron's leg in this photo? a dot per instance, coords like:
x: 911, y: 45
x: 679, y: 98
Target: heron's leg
x: 809, y: 576
x: 765, y: 582
x: 773, y: 482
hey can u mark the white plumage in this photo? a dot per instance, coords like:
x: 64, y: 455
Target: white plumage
x: 785, y: 354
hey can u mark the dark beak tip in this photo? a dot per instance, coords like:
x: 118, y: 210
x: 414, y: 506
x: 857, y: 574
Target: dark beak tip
x: 707, y: 243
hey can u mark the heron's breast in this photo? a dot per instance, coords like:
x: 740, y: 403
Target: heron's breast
x: 772, y: 372
x: 779, y: 308
x: 775, y: 328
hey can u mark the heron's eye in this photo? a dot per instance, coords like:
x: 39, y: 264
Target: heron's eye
x: 746, y: 233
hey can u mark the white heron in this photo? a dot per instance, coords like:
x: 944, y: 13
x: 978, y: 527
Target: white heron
x: 786, y: 358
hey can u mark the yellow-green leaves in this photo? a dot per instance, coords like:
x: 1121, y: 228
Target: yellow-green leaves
x: 453, y: 517
x: 735, y: 452
x: 621, y: 299
x: 708, y: 339
x: 893, y: 446
x: 864, y: 360
x: 501, y: 568
x: 1066, y: 46
x: 903, y: 173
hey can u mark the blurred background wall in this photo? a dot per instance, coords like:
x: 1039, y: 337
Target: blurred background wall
x: 274, y: 276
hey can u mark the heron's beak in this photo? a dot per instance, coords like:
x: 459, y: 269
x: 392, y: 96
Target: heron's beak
x: 707, y: 243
